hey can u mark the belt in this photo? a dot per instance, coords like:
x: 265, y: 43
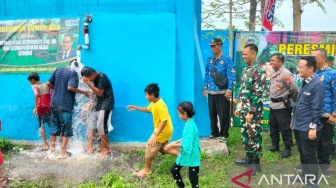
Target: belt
x: 275, y: 100
x: 324, y: 118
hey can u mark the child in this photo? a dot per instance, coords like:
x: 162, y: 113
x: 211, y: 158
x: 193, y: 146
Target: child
x: 101, y: 86
x: 190, y: 152
x: 86, y: 116
x: 42, y: 104
x: 163, y: 128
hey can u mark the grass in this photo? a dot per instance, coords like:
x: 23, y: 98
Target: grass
x: 215, y: 171
x: 9, y: 148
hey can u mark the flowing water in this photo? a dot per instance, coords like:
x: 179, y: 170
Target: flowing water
x: 80, y: 167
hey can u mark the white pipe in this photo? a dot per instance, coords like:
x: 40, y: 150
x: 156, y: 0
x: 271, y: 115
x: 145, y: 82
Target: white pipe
x: 87, y: 20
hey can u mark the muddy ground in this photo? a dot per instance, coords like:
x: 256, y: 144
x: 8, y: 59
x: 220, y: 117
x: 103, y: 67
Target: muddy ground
x: 34, y: 164
x: 79, y: 168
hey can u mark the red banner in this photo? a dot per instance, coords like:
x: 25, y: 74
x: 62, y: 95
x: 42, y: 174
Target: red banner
x: 268, y: 15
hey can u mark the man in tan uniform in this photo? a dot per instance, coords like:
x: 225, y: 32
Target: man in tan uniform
x: 283, y: 92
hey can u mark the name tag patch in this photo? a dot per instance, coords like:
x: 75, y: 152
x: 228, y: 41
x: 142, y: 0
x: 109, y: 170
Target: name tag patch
x: 306, y: 93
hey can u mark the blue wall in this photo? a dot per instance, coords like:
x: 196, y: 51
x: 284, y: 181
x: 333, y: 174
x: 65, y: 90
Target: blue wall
x: 135, y: 42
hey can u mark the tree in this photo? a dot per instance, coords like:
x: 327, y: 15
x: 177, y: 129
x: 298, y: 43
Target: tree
x: 297, y: 11
x: 253, y: 13
x: 215, y: 11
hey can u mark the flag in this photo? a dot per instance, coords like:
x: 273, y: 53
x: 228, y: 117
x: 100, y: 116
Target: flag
x: 268, y: 15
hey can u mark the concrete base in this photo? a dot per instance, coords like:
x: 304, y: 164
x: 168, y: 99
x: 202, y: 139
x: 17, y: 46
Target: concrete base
x: 211, y: 147
x: 214, y: 147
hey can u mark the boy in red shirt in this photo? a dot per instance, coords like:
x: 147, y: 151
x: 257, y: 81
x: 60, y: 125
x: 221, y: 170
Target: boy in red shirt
x: 42, y: 104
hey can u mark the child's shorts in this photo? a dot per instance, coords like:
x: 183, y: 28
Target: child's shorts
x: 44, y: 119
x: 151, y: 151
x: 61, y: 121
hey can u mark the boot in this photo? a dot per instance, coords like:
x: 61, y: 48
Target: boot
x: 333, y: 151
x: 255, y: 166
x: 246, y: 161
x: 286, y: 152
x: 274, y: 147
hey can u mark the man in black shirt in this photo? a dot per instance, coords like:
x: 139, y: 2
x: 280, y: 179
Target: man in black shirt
x: 103, y: 90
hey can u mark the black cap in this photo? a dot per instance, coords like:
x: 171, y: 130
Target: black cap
x: 216, y: 41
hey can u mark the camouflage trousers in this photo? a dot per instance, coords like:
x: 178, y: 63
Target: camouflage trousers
x: 252, y: 135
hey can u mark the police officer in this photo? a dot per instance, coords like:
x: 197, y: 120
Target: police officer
x: 250, y: 108
x: 283, y: 92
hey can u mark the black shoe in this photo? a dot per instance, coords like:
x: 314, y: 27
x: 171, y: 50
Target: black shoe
x: 256, y: 166
x: 326, y: 173
x: 273, y: 148
x: 211, y: 137
x: 296, y: 179
x: 298, y: 168
x: 246, y: 161
x: 311, y: 186
x: 286, y: 153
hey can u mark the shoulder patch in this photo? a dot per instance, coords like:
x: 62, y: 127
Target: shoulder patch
x: 288, y: 79
x: 322, y: 78
x: 232, y: 70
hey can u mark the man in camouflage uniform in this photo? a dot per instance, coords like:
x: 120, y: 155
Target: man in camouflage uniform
x: 283, y: 91
x: 250, y: 108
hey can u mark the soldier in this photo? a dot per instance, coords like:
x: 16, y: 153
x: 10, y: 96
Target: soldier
x: 283, y: 93
x: 250, y: 108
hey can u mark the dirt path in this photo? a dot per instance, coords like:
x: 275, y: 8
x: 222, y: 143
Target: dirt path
x: 76, y: 169
x: 34, y: 164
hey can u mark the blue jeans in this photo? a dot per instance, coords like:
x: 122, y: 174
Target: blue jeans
x: 61, y: 122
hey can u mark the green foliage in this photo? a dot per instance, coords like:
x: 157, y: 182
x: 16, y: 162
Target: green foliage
x: 111, y: 180
x: 215, y: 171
x: 5, y: 145
x: 8, y: 147
x: 42, y: 183
x: 217, y: 11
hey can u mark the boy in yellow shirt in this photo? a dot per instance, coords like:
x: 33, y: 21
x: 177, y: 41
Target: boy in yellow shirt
x: 163, y: 127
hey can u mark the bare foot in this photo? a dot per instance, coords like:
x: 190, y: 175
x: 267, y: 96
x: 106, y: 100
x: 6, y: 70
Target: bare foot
x: 88, y: 150
x: 143, y: 173
x: 52, y: 150
x: 64, y: 156
x: 103, y: 153
x: 45, y: 147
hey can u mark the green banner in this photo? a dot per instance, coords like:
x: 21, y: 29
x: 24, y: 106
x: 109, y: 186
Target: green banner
x: 289, y: 43
x: 39, y: 45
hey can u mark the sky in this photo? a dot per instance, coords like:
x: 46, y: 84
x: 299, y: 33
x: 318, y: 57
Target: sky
x: 313, y: 18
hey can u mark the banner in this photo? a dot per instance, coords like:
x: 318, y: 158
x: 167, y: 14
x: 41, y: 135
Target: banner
x: 39, y: 45
x: 268, y: 15
x: 291, y: 44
